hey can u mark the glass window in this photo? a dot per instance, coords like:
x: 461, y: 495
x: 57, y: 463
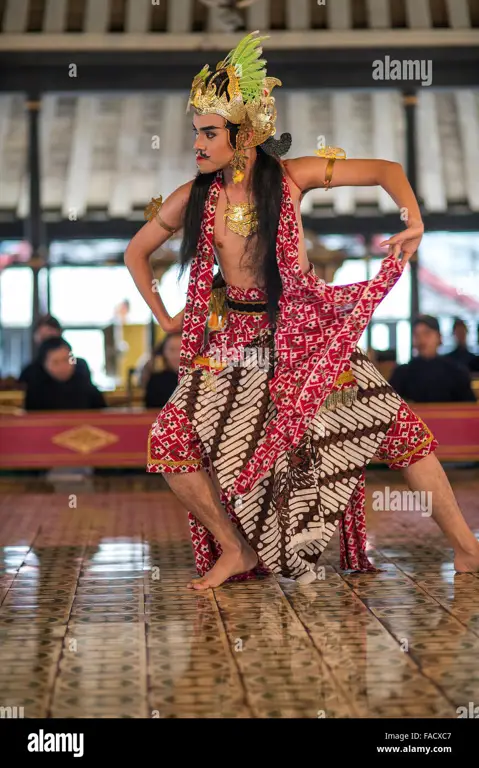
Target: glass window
x: 90, y: 345
x: 351, y: 271
x: 380, y: 336
x: 449, y: 282
x: 87, y: 251
x: 403, y: 341
x: 173, y: 292
x: 91, y: 295
x: 16, y: 290
x: 397, y: 304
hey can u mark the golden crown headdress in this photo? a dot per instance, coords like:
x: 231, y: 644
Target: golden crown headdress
x: 248, y: 88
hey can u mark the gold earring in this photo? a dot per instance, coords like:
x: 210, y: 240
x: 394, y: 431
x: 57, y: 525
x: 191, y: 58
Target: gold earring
x: 239, y: 158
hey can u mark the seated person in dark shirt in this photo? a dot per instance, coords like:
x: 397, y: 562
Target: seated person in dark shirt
x: 161, y: 384
x: 461, y: 354
x: 57, y: 384
x: 48, y: 327
x: 429, y: 377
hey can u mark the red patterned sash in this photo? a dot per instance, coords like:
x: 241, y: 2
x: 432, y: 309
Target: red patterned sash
x: 318, y: 328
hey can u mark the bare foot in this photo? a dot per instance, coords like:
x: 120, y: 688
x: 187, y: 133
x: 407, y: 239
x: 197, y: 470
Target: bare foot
x: 230, y: 563
x: 467, y: 562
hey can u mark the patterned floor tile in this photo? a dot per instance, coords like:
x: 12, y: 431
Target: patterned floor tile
x: 96, y: 619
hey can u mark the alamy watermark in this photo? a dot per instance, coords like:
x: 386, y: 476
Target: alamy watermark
x: 56, y: 742
x: 12, y: 712
x: 402, y: 501
x: 471, y: 711
x: 406, y: 69
x: 246, y: 357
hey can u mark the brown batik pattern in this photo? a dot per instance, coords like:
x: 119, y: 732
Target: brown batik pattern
x: 290, y: 515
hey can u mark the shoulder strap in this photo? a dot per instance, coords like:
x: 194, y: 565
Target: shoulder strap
x: 199, y: 284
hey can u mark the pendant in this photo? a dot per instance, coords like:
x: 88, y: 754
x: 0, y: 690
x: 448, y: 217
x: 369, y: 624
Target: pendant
x: 241, y: 219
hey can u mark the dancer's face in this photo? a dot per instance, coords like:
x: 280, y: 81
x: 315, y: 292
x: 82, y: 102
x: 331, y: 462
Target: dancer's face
x: 212, y: 147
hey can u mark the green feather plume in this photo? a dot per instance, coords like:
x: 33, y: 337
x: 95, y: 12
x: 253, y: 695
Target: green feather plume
x: 251, y: 70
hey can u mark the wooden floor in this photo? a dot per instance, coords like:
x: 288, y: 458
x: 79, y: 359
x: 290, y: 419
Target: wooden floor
x: 96, y: 621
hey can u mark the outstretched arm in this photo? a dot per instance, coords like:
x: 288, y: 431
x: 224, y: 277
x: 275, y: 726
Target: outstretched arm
x: 150, y: 237
x: 311, y: 173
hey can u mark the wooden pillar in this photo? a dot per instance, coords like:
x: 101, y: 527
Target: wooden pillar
x: 34, y: 228
x: 410, y: 104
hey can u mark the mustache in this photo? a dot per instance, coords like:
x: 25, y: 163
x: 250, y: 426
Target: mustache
x: 203, y: 155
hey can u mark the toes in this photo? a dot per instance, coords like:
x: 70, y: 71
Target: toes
x: 198, y: 584
x: 201, y: 585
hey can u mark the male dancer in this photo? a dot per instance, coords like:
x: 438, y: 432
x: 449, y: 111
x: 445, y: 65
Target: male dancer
x: 270, y: 459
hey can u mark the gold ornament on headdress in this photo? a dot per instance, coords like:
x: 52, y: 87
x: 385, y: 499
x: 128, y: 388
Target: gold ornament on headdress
x: 249, y: 90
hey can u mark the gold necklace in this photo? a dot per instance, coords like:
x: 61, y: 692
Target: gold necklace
x: 240, y: 218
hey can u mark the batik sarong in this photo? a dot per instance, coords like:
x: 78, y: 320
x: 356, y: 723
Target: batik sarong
x: 286, y: 417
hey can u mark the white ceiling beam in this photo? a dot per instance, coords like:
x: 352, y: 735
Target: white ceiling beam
x: 221, y: 41
x: 379, y: 14
x: 171, y: 143
x: 299, y: 104
x: 55, y: 18
x: 97, y: 16
x: 180, y: 16
x: 258, y: 15
x: 298, y: 14
x: 418, y: 14
x: 15, y: 17
x: 431, y: 179
x: 47, y: 119
x: 78, y: 174
x: 138, y: 16
x: 468, y: 119
x: 215, y: 22
x: 385, y: 147
x: 127, y: 149
x: 343, y: 136
x: 453, y: 150
x: 458, y: 13
x: 339, y: 14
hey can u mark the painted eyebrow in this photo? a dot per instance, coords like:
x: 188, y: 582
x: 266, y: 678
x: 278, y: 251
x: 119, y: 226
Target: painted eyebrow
x: 208, y: 128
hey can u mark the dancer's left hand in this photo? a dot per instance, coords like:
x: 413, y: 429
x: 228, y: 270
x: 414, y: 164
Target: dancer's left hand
x: 406, y: 242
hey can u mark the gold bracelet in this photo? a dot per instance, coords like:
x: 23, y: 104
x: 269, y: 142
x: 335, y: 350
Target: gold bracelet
x: 329, y: 173
x: 165, y: 226
x: 152, y: 211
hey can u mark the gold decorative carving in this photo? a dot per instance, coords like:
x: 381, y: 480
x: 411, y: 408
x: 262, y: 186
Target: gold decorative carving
x: 85, y: 439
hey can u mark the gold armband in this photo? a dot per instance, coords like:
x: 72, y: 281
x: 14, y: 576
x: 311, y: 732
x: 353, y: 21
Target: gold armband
x: 152, y: 211
x: 333, y: 154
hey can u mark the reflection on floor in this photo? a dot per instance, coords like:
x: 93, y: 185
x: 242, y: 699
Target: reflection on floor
x: 95, y: 619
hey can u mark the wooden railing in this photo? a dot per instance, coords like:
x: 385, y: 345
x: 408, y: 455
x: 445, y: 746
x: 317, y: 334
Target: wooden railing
x: 117, y: 437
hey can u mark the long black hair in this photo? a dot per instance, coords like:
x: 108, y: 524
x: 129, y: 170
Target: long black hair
x: 266, y: 189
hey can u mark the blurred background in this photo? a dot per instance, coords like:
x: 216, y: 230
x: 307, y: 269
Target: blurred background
x: 93, y: 124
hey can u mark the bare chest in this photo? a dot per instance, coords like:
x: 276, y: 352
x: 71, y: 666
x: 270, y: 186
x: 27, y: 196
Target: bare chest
x: 237, y: 256
x: 234, y: 250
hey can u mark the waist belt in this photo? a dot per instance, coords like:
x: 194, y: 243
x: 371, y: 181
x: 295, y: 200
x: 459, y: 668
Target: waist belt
x: 247, y: 307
